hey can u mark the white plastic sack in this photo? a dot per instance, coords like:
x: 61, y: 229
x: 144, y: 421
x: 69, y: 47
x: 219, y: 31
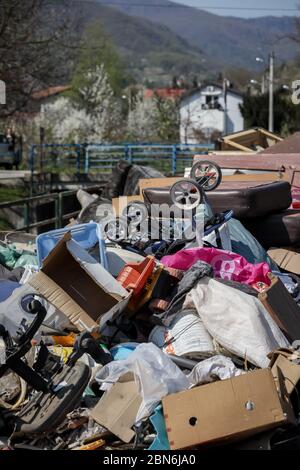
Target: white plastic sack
x: 155, y: 373
x: 237, y: 321
x: 217, y: 367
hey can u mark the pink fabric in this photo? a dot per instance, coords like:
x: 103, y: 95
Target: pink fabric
x: 226, y: 265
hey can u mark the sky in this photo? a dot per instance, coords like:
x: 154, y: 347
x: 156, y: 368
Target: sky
x: 283, y: 7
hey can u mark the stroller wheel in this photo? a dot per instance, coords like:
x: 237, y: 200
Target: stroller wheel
x: 116, y: 229
x: 186, y: 194
x: 207, y: 174
x: 136, y: 212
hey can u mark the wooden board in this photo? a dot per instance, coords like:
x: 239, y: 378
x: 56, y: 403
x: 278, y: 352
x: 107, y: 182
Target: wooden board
x: 253, y: 177
x: 119, y: 203
x: 256, y: 161
x: 157, y: 182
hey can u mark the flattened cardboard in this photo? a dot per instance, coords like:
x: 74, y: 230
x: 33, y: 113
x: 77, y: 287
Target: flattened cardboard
x: 282, y: 308
x: 286, y: 259
x: 225, y: 410
x: 78, y: 286
x: 282, y: 365
x: 117, y: 409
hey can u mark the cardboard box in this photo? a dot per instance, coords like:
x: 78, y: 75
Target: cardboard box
x: 285, y: 365
x: 230, y: 409
x: 282, y: 308
x: 286, y: 259
x: 78, y: 286
x: 117, y: 409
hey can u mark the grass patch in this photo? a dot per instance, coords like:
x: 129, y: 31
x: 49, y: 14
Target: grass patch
x: 8, y: 194
x: 5, y: 225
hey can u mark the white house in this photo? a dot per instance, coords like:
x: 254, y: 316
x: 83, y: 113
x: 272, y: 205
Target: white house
x: 207, y: 110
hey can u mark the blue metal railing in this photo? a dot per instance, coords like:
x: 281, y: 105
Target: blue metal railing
x: 85, y: 158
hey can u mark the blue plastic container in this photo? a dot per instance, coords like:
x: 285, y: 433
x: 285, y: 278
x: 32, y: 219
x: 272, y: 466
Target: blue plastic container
x: 86, y: 235
x: 122, y: 351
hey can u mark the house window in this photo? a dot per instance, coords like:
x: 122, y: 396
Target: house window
x: 211, y: 102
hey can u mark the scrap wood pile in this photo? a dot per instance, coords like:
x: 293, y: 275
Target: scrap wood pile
x: 142, y: 330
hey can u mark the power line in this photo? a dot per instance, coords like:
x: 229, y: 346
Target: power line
x: 180, y: 6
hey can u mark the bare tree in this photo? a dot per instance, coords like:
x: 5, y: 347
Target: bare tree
x: 36, y: 48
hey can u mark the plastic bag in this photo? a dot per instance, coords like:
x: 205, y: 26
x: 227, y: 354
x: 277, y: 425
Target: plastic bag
x: 226, y: 265
x: 246, y: 245
x: 26, y: 259
x: 216, y: 367
x: 237, y: 321
x: 155, y: 373
x: 8, y: 256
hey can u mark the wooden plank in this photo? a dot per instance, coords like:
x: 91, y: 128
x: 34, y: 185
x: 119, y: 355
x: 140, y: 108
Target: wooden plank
x: 258, y: 161
x: 263, y: 177
x: 157, y: 182
x: 119, y: 203
x: 231, y: 143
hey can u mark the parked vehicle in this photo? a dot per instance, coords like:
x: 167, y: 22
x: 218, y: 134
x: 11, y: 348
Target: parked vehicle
x: 10, y: 152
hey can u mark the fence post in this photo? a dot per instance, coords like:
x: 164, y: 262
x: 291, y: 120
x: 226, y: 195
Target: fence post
x: 87, y: 163
x: 31, y: 165
x: 128, y: 153
x: 78, y: 152
x: 174, y: 160
x: 26, y: 216
x: 58, y: 210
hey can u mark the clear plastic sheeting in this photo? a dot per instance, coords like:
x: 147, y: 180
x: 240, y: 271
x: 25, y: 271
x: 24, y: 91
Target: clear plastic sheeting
x: 155, y: 373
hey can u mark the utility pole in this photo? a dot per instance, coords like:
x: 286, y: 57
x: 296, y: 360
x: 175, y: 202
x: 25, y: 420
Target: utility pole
x: 271, y: 92
x: 225, y: 88
x: 263, y: 84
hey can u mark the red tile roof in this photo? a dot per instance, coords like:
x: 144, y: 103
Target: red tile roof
x: 48, y: 92
x: 166, y: 93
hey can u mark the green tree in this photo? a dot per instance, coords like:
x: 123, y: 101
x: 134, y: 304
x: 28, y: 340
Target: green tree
x: 255, y: 111
x: 97, y: 50
x: 167, y: 120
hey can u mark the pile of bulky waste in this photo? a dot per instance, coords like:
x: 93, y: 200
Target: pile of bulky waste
x: 155, y: 321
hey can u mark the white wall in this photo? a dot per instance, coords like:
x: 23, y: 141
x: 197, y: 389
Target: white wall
x: 193, y: 116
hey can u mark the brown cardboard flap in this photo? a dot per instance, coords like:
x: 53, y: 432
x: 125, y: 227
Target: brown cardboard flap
x: 286, y: 259
x: 225, y: 410
x: 79, y: 286
x: 282, y: 308
x: 76, y: 282
x: 62, y: 301
x: 282, y: 365
x: 118, y: 408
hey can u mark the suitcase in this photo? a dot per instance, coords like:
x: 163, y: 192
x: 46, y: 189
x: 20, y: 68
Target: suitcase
x: 246, y: 202
x: 276, y: 230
